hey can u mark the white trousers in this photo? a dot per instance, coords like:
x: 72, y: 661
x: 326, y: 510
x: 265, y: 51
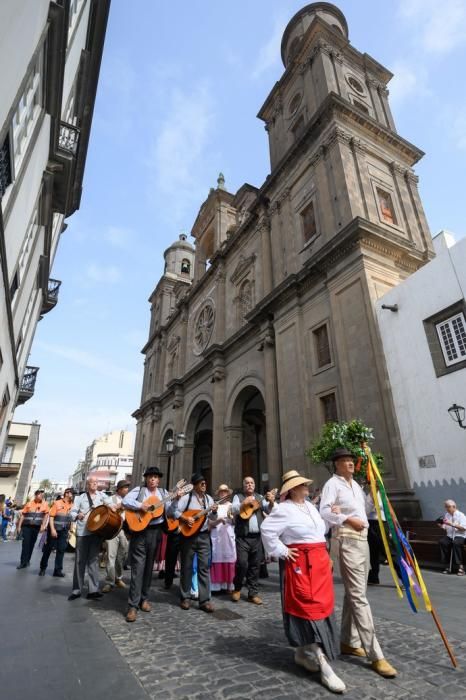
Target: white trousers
x: 117, y: 550
x: 357, y: 625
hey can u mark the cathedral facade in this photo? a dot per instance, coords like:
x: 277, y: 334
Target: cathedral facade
x: 266, y: 328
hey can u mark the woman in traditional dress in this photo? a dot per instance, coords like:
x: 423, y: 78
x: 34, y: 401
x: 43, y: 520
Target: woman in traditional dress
x: 295, y: 532
x: 222, y: 533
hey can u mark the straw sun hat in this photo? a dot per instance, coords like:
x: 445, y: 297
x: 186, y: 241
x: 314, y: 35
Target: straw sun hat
x: 292, y: 479
x: 224, y: 487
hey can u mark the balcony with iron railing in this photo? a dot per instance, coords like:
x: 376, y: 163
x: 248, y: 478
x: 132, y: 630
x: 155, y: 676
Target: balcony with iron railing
x: 51, y: 297
x: 27, y: 386
x: 9, y: 468
x: 68, y: 138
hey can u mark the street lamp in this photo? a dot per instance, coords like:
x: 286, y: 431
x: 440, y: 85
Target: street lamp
x: 457, y: 413
x: 173, y: 446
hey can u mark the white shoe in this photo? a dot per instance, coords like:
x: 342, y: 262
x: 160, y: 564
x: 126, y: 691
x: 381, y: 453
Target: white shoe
x: 306, y: 662
x: 332, y: 682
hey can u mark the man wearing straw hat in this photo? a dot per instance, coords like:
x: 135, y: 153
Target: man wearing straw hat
x: 343, y: 506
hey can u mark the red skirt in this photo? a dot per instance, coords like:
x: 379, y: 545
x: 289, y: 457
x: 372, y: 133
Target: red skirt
x: 308, y: 586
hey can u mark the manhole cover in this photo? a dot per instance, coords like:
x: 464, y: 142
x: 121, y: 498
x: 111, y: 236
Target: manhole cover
x: 224, y: 614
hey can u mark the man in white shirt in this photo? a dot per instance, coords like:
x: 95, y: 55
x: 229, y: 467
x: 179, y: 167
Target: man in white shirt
x: 87, y: 543
x: 117, y: 548
x: 451, y: 544
x: 343, y: 507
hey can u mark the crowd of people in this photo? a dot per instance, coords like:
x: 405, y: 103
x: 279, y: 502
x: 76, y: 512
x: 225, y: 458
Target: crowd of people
x: 219, y: 544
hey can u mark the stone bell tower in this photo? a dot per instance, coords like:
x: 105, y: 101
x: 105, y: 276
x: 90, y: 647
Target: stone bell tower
x: 344, y: 209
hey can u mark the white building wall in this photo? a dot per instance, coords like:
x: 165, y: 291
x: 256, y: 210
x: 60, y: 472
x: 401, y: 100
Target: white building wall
x: 421, y: 398
x: 26, y: 22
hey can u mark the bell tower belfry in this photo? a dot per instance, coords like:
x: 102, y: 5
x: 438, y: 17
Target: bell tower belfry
x: 331, y: 104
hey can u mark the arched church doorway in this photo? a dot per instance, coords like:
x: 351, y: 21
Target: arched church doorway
x: 198, y: 448
x: 249, y: 411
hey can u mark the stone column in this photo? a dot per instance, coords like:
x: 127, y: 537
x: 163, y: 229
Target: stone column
x: 267, y: 269
x: 272, y: 416
x: 183, y: 341
x: 233, y: 444
x: 155, y: 437
x: 220, y: 305
x: 218, y: 437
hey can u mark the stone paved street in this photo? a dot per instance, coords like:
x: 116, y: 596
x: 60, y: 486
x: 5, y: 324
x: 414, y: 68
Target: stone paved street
x: 238, y: 652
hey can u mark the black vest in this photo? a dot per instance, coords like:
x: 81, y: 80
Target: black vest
x: 241, y: 525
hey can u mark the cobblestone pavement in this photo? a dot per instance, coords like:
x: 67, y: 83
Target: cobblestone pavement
x: 241, y: 652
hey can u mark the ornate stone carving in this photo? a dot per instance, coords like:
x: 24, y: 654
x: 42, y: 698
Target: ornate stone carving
x: 242, y: 268
x: 204, y: 327
x: 173, y: 343
x: 156, y: 414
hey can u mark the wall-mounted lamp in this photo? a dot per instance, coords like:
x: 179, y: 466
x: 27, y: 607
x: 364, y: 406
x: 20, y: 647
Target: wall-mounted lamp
x: 457, y: 413
x: 173, y: 445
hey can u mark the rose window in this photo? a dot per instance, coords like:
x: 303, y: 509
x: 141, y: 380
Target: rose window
x: 204, y: 327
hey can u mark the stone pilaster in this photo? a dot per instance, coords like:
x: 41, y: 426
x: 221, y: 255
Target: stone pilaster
x: 272, y: 416
x: 218, y: 437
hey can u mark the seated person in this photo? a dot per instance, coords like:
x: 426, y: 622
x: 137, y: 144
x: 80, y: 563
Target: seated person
x: 451, y: 544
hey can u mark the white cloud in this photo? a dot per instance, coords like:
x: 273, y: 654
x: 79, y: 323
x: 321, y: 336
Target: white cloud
x: 66, y: 430
x: 83, y: 358
x: 269, y: 54
x: 409, y: 81
x: 179, y: 154
x: 439, y: 26
x: 103, y: 273
x: 119, y: 237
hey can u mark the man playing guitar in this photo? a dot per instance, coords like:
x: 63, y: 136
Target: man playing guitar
x: 248, y: 540
x: 143, y: 544
x: 198, y: 543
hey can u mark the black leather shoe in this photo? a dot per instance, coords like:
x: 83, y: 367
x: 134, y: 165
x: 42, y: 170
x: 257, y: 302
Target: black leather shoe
x: 42, y: 572
x: 94, y: 596
x: 21, y: 566
x: 59, y: 574
x: 74, y: 596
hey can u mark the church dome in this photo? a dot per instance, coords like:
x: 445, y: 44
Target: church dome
x: 179, y: 258
x: 298, y: 25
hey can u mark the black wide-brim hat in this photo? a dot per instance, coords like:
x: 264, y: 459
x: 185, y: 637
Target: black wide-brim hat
x: 153, y: 471
x: 341, y: 452
x: 197, y: 477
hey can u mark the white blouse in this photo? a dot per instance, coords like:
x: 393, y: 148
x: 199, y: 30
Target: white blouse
x: 289, y: 523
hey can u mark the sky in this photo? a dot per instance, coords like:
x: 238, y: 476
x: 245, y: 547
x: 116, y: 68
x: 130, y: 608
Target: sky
x: 180, y: 86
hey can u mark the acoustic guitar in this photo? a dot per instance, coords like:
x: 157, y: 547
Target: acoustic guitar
x: 138, y: 520
x: 247, y: 509
x: 198, y: 516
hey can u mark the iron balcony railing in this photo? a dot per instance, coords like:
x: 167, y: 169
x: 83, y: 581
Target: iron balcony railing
x: 28, y: 383
x: 68, y: 139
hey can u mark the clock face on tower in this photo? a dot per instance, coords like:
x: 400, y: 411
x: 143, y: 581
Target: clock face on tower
x: 203, y: 327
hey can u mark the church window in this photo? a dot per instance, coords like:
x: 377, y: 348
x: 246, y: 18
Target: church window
x: 294, y: 48
x: 298, y: 127
x: 355, y: 84
x: 245, y: 298
x: 387, y: 211
x: 203, y: 327
x: 185, y: 267
x: 452, y: 336
x: 295, y: 102
x: 328, y: 405
x: 308, y: 219
x: 322, y: 346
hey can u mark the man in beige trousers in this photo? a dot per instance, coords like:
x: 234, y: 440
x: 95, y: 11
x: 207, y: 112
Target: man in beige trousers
x: 343, y: 507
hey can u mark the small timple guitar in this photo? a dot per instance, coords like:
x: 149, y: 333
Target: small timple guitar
x: 198, y: 516
x: 247, y: 509
x: 138, y: 520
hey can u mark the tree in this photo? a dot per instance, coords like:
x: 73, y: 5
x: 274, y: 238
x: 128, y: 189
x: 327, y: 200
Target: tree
x: 352, y: 435
x: 46, y: 484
